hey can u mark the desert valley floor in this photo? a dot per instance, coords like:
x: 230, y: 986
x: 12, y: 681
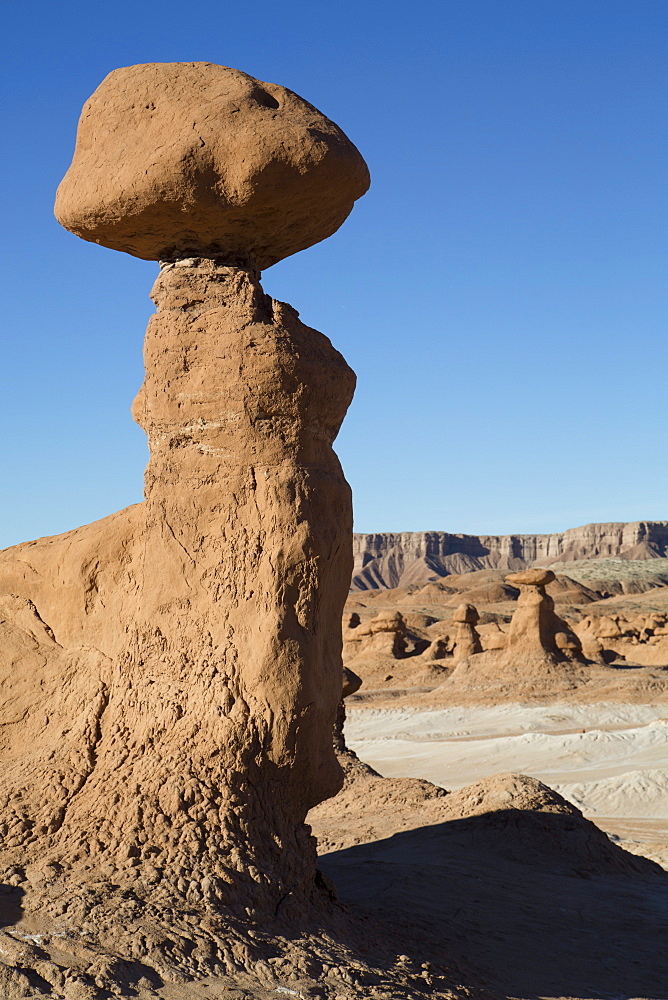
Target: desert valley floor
x: 536, y: 916
x: 608, y: 759
x: 502, y: 832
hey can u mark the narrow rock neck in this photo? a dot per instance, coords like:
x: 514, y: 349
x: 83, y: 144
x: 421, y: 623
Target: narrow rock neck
x: 233, y: 380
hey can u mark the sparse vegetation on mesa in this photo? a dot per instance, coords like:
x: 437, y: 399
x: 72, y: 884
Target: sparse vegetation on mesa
x: 615, y: 572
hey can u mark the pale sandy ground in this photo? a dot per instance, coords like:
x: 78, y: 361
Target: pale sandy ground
x: 611, y: 760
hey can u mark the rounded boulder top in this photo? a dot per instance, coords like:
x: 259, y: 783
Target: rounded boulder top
x: 531, y: 578
x: 194, y: 159
x: 466, y: 614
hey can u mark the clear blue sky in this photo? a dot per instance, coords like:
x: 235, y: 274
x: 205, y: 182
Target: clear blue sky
x: 500, y: 292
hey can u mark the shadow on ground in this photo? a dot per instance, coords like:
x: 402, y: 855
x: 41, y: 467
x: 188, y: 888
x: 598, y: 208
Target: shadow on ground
x: 11, y: 907
x: 518, y: 898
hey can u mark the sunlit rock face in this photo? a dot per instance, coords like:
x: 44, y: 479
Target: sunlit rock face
x: 178, y: 159
x: 171, y: 674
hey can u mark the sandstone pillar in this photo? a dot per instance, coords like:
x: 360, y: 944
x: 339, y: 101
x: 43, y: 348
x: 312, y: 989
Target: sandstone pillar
x: 177, y: 714
x: 221, y: 704
x: 467, y: 639
x: 535, y: 629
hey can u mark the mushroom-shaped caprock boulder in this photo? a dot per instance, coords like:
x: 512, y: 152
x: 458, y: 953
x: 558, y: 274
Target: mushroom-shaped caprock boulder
x: 466, y: 614
x: 467, y: 641
x: 531, y: 578
x: 193, y: 159
x: 535, y: 629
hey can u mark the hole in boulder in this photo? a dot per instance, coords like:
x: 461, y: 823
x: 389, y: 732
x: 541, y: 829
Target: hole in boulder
x: 265, y: 99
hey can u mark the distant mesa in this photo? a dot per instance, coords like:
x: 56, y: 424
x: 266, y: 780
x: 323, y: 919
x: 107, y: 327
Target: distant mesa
x: 403, y: 559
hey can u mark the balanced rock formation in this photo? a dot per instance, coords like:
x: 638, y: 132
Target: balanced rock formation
x: 535, y: 629
x: 539, y: 653
x: 467, y: 640
x: 222, y: 166
x: 171, y: 674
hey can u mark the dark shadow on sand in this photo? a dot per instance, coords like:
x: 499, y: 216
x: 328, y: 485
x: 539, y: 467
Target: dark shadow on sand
x: 11, y: 907
x: 538, y: 904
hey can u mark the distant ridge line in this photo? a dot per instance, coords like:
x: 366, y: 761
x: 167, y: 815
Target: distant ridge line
x: 398, y: 559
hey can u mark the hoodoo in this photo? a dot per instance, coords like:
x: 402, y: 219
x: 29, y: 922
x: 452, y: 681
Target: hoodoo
x: 540, y: 653
x: 536, y: 632
x: 467, y: 640
x: 171, y: 674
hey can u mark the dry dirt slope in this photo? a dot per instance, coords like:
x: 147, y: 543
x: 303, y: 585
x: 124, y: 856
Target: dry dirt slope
x: 504, y: 877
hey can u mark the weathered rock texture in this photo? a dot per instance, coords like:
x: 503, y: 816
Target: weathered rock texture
x: 178, y: 159
x: 171, y: 725
x: 413, y: 557
x: 171, y: 674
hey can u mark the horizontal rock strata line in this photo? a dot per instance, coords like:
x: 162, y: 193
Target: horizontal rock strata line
x: 413, y: 557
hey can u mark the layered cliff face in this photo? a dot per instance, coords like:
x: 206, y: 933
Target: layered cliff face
x: 398, y: 560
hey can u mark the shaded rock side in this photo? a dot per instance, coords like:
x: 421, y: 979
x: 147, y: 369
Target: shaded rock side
x: 418, y: 557
x: 178, y: 159
x: 171, y: 674
x: 504, y: 814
